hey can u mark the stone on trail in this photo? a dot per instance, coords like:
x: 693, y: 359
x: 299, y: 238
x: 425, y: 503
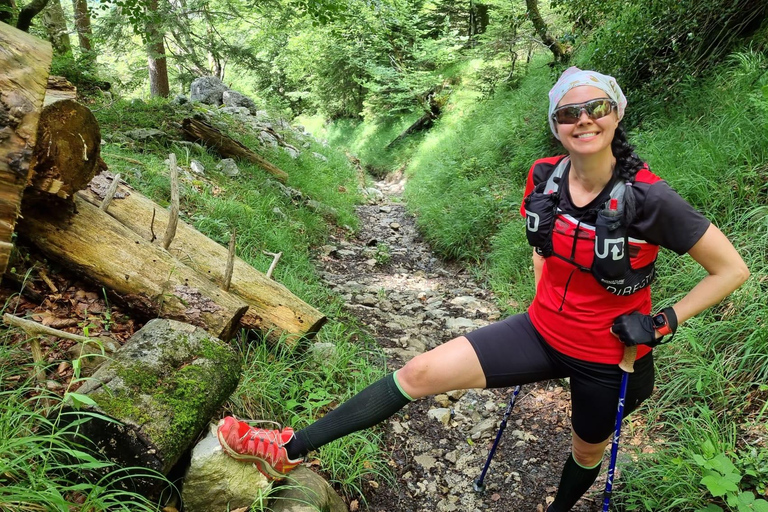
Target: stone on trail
x: 454, y: 324
x: 305, y: 491
x: 216, y: 482
x: 441, y: 414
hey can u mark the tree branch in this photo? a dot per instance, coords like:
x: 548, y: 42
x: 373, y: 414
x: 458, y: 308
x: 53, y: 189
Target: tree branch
x: 28, y: 12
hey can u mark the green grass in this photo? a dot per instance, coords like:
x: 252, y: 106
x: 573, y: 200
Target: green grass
x: 42, y: 464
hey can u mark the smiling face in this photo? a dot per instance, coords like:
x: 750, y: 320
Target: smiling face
x: 588, y: 136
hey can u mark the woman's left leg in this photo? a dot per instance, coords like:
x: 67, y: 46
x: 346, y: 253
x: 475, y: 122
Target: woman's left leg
x: 595, y: 394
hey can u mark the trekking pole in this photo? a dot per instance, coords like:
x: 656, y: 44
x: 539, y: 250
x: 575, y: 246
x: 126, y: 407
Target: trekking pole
x: 479, y: 485
x: 627, y: 364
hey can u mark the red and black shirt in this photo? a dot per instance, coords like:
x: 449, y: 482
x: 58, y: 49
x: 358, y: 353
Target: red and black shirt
x: 571, y: 310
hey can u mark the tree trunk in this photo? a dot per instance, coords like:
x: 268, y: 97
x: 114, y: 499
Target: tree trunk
x: 144, y: 276
x: 158, y: 66
x: 56, y: 23
x: 162, y: 387
x: 28, y: 12
x: 84, y: 33
x: 68, y: 150
x: 273, y: 309
x: 196, y: 130
x: 557, y: 48
x: 24, y: 64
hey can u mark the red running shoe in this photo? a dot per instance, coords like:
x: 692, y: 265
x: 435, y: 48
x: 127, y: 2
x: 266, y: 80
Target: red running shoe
x: 264, y: 448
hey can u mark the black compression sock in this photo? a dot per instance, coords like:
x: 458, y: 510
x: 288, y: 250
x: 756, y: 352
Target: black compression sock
x: 574, y: 482
x: 372, y: 405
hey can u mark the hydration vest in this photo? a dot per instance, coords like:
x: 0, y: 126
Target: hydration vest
x: 611, y: 266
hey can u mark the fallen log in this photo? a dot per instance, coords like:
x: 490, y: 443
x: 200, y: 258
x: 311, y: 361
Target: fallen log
x: 144, y: 276
x: 146, y: 406
x: 199, y: 131
x: 24, y: 64
x: 58, y: 89
x: 273, y: 309
x: 68, y: 151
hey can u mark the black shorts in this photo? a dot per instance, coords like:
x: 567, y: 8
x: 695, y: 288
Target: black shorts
x: 512, y: 352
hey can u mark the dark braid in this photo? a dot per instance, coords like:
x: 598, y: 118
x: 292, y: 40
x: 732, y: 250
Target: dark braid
x: 627, y: 166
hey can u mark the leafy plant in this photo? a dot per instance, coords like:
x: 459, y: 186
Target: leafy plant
x: 722, y: 479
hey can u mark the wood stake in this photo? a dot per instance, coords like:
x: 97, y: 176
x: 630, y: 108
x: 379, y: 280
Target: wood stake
x: 33, y: 328
x: 230, y: 260
x: 110, y: 193
x: 173, y: 220
x: 47, y: 280
x: 276, y: 257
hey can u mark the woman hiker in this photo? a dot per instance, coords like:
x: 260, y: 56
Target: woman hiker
x: 597, y: 219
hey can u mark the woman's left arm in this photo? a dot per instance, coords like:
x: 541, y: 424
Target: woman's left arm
x: 726, y: 272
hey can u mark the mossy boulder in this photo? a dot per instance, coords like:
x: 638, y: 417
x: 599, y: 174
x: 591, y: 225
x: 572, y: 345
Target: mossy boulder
x: 156, y: 395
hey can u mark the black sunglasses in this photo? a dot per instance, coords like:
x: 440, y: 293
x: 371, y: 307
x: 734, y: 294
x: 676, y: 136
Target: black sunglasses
x: 595, y: 109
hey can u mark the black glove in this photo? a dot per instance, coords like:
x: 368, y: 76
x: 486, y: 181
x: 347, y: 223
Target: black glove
x: 636, y: 329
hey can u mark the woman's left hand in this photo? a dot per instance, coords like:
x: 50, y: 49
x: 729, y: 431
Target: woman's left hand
x: 636, y: 329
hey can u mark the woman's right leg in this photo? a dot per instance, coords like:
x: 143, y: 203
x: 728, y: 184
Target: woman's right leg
x: 452, y: 365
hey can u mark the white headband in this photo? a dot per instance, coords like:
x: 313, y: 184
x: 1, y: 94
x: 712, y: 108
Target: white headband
x: 575, y: 77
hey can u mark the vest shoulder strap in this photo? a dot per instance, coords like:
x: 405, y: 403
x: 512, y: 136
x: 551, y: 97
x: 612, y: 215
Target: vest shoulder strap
x: 553, y: 183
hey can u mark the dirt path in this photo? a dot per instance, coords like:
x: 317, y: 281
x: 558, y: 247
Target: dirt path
x: 411, y: 302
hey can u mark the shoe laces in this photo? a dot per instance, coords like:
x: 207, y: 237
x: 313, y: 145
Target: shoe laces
x: 272, y: 436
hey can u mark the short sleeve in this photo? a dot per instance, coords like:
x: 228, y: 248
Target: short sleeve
x: 666, y: 219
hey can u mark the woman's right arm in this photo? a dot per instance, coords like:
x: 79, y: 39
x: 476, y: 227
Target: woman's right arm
x: 538, y: 266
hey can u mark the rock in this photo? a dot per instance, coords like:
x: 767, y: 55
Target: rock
x: 215, y: 482
x: 292, y: 151
x: 320, y: 157
x: 208, y: 90
x: 443, y: 400
x: 241, y: 112
x: 467, y: 302
x: 456, y: 394
x: 145, y: 134
x: 305, y: 491
x: 92, y: 354
x: 197, y: 167
x: 268, y: 139
x: 374, y: 193
x: 425, y: 461
x: 486, y: 426
x: 228, y: 167
x: 456, y: 324
x: 323, y: 353
x: 180, y: 99
x: 235, y: 99
x: 441, y: 414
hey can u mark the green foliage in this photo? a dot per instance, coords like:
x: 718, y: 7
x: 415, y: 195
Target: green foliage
x: 722, y: 479
x: 653, y: 47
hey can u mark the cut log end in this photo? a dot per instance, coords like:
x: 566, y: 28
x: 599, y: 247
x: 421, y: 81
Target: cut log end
x: 68, y: 149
